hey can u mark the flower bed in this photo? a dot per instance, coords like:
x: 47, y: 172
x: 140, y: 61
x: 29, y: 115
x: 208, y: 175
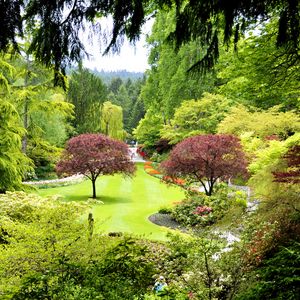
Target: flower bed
x: 151, y: 169
x: 44, y: 184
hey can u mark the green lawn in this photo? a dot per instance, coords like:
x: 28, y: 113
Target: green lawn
x: 127, y: 202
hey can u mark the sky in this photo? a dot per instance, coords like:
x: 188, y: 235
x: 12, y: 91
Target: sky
x: 131, y: 58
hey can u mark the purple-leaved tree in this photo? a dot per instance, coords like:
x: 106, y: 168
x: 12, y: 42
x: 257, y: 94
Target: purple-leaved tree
x: 94, y: 155
x: 205, y: 159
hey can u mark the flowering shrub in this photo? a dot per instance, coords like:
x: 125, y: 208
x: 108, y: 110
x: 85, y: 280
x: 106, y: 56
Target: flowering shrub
x: 264, y: 238
x: 193, y: 212
x: 202, y: 210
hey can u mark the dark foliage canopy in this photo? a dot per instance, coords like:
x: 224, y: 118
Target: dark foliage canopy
x: 56, y: 25
x: 93, y: 155
x: 205, y: 159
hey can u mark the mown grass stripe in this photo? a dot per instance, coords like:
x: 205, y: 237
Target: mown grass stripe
x: 127, y: 202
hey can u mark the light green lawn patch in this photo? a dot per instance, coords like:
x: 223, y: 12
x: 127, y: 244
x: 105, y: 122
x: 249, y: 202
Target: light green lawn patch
x: 127, y: 202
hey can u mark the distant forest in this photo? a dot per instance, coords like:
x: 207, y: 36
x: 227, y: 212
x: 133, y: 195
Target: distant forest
x: 107, y: 76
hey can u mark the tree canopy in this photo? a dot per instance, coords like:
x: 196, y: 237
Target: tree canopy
x: 56, y: 25
x: 87, y: 93
x: 195, y: 117
x: 261, y: 123
x: 112, y: 121
x: 13, y: 163
x: 205, y: 159
x: 93, y: 155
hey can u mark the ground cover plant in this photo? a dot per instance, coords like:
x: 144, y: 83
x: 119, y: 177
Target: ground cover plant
x: 124, y: 205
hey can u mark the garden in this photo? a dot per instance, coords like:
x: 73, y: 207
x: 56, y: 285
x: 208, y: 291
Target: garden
x: 123, y: 204
x: 179, y: 182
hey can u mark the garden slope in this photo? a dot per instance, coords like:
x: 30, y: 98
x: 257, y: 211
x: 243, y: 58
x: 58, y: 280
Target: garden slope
x: 127, y: 202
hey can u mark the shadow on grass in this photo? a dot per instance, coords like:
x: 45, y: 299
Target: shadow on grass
x: 107, y: 200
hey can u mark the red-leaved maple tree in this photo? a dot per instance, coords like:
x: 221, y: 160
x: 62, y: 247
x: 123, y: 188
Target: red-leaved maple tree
x: 93, y: 155
x: 205, y: 159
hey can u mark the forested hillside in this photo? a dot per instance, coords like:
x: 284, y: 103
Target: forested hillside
x: 107, y: 76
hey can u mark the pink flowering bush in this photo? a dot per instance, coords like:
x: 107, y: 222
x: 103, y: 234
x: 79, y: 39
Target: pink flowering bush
x: 202, y: 210
x: 193, y: 212
x: 199, y: 210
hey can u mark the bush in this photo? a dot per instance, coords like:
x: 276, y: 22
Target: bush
x: 201, y: 210
x: 188, y: 212
x: 165, y: 210
x: 159, y: 157
x: 277, y: 278
x: 47, y: 254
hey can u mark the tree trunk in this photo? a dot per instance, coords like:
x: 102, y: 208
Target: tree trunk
x: 208, y: 190
x: 94, y: 188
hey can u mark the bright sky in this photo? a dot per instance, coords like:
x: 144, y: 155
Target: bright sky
x: 131, y: 58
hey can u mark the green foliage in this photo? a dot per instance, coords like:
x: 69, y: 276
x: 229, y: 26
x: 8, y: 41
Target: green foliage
x: 126, y: 95
x: 14, y: 165
x: 122, y: 273
x: 168, y: 83
x: 269, y: 160
x: 56, y: 37
x: 111, y: 121
x: 87, y: 93
x: 195, y: 117
x: 203, y: 271
x: 148, y: 130
x: 199, y: 210
x: 262, y: 74
x: 271, y: 246
x: 260, y: 123
x: 47, y: 254
x: 44, y: 156
x: 277, y: 278
x: 159, y: 157
x: 38, y: 232
x: 165, y: 210
x: 44, y: 113
x: 185, y: 213
x: 43, y: 108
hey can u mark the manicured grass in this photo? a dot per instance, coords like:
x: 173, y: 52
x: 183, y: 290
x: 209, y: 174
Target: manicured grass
x: 127, y: 202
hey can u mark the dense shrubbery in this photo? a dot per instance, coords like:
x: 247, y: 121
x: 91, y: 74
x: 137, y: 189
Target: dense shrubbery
x: 201, y: 210
x: 277, y: 278
x: 46, y: 253
x: 121, y: 272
